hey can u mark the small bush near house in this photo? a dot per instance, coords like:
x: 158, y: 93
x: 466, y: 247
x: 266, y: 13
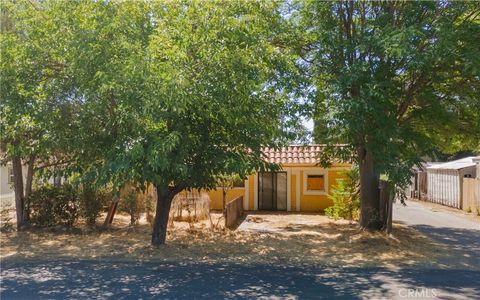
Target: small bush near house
x: 346, y: 201
x: 53, y: 205
x: 92, y: 203
x: 132, y: 205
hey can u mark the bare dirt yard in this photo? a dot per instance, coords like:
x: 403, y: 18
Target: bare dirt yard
x: 286, y: 238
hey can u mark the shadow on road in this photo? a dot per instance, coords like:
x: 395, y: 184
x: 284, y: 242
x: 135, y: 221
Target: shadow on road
x: 133, y: 280
x: 462, y: 246
x: 459, y: 239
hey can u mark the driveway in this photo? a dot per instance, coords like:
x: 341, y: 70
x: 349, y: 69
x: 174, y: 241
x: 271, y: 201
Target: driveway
x: 456, y: 229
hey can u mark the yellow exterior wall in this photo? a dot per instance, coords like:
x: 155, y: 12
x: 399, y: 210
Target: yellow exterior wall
x: 251, y: 192
x: 308, y: 203
x: 311, y: 203
x: 333, y: 176
x: 216, y: 197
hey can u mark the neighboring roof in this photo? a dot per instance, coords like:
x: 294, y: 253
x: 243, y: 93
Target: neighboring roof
x: 424, y: 165
x: 294, y: 154
x: 455, y: 164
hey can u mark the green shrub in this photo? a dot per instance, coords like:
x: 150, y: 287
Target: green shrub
x: 132, y: 205
x: 53, y: 205
x: 346, y: 201
x: 93, y: 202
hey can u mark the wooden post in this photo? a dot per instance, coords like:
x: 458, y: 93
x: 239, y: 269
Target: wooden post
x: 234, y: 212
x: 111, y: 212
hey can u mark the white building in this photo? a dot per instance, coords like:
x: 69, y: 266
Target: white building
x: 445, y: 180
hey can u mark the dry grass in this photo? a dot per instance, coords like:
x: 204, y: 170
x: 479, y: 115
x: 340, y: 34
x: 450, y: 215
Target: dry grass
x: 315, y: 241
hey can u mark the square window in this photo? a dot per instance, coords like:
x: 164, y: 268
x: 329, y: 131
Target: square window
x: 315, y: 183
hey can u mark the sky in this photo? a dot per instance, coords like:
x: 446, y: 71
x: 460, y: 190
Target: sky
x: 308, y: 123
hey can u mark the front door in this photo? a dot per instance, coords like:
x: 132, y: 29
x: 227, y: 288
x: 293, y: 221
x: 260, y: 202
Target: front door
x: 272, y: 191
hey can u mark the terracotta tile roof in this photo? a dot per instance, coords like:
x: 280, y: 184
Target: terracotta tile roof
x: 293, y: 154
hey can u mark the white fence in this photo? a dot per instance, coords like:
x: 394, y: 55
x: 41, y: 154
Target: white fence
x: 444, y: 187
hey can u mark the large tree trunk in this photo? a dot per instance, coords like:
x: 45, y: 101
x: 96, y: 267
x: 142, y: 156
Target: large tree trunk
x: 369, y: 192
x: 164, y: 201
x: 19, y: 192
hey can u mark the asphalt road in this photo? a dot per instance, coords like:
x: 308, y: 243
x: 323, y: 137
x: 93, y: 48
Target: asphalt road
x: 120, y: 280
x: 460, y: 233
x: 416, y: 213
x: 146, y: 280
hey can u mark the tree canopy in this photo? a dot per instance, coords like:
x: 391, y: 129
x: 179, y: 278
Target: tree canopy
x: 32, y: 79
x: 176, y: 93
x: 394, y: 80
x: 163, y: 93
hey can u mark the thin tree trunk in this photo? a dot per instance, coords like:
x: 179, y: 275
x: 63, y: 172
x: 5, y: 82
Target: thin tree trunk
x: 29, y: 179
x: 19, y: 192
x: 28, y: 185
x: 369, y: 192
x: 164, y: 201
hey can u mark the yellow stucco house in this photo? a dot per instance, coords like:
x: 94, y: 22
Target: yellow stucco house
x: 300, y: 185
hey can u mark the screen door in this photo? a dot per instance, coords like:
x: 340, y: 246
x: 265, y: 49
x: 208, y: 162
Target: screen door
x: 272, y: 191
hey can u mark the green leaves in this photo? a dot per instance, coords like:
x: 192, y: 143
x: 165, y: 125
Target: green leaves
x: 394, y: 78
x: 162, y: 92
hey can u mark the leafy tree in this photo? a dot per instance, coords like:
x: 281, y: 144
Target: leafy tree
x: 175, y: 93
x: 393, y: 80
x: 31, y: 105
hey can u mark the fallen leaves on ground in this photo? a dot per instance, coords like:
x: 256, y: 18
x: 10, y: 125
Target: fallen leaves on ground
x: 288, y: 239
